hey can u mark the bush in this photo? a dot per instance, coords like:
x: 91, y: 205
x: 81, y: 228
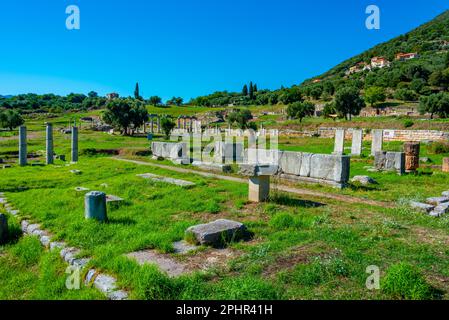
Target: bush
x: 438, y: 148
x: 404, y: 281
x: 408, y: 123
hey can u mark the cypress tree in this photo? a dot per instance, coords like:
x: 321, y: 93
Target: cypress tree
x: 136, y: 92
x: 251, y: 90
x: 245, y: 90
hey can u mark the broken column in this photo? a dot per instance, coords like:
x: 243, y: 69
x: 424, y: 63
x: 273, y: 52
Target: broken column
x: 339, y: 141
x: 49, y: 144
x: 22, y: 146
x: 377, y: 141
x: 445, y: 167
x: 357, y: 139
x: 95, y: 206
x: 259, y: 180
x: 75, y: 144
x: 411, y: 150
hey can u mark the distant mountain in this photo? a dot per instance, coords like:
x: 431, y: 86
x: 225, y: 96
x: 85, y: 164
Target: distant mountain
x: 6, y: 97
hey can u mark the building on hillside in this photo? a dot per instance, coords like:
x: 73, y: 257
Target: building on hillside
x: 406, y: 56
x: 359, y: 67
x: 379, y: 62
x: 112, y: 95
x: 316, y: 80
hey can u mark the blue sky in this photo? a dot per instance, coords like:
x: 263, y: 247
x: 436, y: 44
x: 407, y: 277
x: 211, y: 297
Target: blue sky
x: 188, y: 48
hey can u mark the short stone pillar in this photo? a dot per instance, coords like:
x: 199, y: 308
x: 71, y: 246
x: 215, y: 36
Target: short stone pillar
x: 23, y: 146
x: 95, y: 206
x: 49, y: 144
x: 445, y: 165
x: 259, y: 180
x: 339, y: 141
x: 357, y: 140
x: 3, y: 229
x: 75, y: 144
x: 411, y: 150
x: 377, y: 141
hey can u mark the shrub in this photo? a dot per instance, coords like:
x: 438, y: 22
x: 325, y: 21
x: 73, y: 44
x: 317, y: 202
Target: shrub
x: 403, y: 281
x: 438, y: 148
x: 408, y: 123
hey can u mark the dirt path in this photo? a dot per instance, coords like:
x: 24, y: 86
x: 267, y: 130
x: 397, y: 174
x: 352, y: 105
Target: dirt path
x: 279, y: 187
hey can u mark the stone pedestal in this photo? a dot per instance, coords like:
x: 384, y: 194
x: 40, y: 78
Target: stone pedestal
x: 259, y: 188
x: 3, y: 229
x: 445, y: 165
x: 411, y: 150
x: 357, y: 139
x: 74, y: 144
x: 22, y: 146
x: 95, y: 206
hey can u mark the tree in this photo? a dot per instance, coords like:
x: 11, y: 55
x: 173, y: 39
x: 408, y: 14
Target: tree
x: 435, y: 104
x: 175, y: 101
x: 167, y: 126
x: 329, y: 110
x: 137, y: 92
x: 124, y: 114
x: 245, y: 90
x: 406, y: 95
x: 10, y: 119
x: 446, y: 60
x: 92, y: 94
x: 373, y: 95
x: 348, y: 102
x: 241, y: 117
x: 300, y: 110
x: 251, y: 90
x: 155, y: 100
x: 255, y: 88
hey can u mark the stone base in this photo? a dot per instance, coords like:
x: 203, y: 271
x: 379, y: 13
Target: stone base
x: 291, y: 177
x: 181, y: 161
x: 218, y: 167
x: 259, y: 188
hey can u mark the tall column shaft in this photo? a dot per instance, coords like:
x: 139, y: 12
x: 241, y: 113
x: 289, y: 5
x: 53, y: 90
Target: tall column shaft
x: 74, y: 144
x: 23, y: 146
x: 49, y: 144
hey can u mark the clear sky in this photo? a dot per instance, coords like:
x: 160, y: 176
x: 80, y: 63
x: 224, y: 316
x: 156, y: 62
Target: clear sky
x: 188, y: 47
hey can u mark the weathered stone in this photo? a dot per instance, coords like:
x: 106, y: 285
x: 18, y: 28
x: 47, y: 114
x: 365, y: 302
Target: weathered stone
x: 105, y: 283
x: 57, y: 245
x: 255, y: 170
x: 437, y: 200
x: 74, y: 153
x: 440, y: 210
x: 170, y: 150
x: 339, y: 141
x: 118, y: 295
x: 425, y: 160
x: 390, y: 161
x: 3, y: 229
x: 32, y: 227
x: 357, y: 140
x: 95, y: 206
x: 422, y: 207
x: 445, y: 193
x: 24, y: 226
x: 218, y: 232
x: 112, y: 198
x: 411, y: 150
x: 259, y: 188
x: 177, y: 182
x: 45, y: 240
x: 49, y: 144
x: 365, y: 180
x: 75, y: 171
x: 69, y: 254
x: 80, y: 263
x: 377, y: 141
x: 445, y: 167
x: 90, y: 276
x: 183, y: 246
x: 81, y: 189
x: 211, y: 166
x: 22, y: 146
x: 165, y: 263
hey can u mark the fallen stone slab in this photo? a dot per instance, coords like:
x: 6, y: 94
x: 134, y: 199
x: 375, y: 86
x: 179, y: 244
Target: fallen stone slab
x: 364, y: 180
x: 445, y: 193
x: 437, y: 200
x: 81, y: 189
x: 217, y: 233
x: 182, y: 247
x: 217, y: 167
x: 112, y: 198
x: 440, y: 210
x: 422, y: 207
x: 177, y: 182
x: 166, y: 264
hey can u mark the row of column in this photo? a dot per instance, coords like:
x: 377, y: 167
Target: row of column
x: 357, y: 140
x: 49, y: 144
x: 189, y: 123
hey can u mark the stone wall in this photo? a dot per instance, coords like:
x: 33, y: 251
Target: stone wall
x: 389, y: 135
x: 332, y: 169
x: 170, y: 150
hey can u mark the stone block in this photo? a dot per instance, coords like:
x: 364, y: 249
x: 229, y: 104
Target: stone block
x: 357, y: 140
x: 330, y: 167
x: 390, y: 161
x: 211, y: 166
x: 364, y: 180
x: 437, y: 200
x: 218, y: 233
x: 377, y: 141
x: 95, y: 206
x: 445, y: 167
x: 422, y: 207
x: 339, y: 141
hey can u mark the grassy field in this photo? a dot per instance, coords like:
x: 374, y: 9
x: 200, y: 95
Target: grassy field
x: 303, y: 247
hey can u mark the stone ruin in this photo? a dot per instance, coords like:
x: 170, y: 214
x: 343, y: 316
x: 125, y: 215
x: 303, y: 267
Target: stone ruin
x: 390, y: 161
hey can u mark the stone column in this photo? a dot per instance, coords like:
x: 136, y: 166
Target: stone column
x: 23, y: 146
x: 179, y: 123
x: 357, y: 139
x: 152, y: 124
x: 184, y: 124
x: 339, y: 141
x: 377, y: 141
x: 191, y: 125
x: 445, y: 167
x: 74, y: 144
x: 49, y: 144
x: 158, y: 124
x: 411, y: 150
x: 95, y: 206
x: 145, y: 127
